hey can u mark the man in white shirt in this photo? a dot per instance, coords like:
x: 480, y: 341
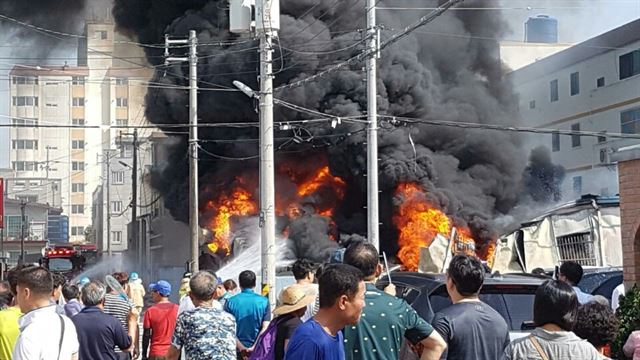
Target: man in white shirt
x: 304, y: 272
x: 615, y: 297
x: 44, y: 334
x: 571, y: 273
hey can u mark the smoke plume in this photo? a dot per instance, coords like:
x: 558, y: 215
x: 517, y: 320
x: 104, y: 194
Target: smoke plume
x: 472, y: 175
x: 542, y: 178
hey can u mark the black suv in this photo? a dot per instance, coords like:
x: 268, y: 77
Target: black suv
x: 510, y: 294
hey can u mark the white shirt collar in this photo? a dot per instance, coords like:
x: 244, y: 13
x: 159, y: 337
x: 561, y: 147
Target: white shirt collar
x: 30, y: 317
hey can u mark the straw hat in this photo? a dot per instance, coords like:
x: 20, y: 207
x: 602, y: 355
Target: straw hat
x: 293, y: 298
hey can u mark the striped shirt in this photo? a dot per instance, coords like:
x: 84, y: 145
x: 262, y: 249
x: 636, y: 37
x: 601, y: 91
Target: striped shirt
x: 119, y: 308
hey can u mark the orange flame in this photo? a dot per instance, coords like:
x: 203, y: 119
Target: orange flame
x: 322, y: 178
x: 418, y: 224
x: 239, y: 203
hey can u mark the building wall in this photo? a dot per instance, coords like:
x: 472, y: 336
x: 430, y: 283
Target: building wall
x: 593, y: 108
x: 629, y: 172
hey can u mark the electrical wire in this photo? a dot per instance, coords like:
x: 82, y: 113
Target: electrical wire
x: 369, y: 52
x: 517, y: 129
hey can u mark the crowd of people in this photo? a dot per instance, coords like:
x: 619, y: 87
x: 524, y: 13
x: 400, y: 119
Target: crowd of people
x: 332, y: 312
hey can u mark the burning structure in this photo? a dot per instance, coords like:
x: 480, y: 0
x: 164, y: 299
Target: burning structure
x: 431, y: 177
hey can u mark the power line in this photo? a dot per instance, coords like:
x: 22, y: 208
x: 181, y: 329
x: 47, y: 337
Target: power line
x: 518, y: 129
x: 393, y: 39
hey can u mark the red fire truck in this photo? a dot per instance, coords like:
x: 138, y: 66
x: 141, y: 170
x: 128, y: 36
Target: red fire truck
x: 69, y: 259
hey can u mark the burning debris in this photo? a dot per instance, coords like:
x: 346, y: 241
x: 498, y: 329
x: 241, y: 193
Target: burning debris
x: 431, y: 177
x: 419, y: 223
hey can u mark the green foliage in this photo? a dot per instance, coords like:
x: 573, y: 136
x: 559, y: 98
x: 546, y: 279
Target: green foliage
x: 629, y: 315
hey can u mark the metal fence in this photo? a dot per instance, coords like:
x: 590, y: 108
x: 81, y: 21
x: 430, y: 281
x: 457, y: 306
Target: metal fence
x: 577, y: 247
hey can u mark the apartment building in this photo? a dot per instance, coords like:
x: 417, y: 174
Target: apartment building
x: 105, y: 88
x: 595, y: 86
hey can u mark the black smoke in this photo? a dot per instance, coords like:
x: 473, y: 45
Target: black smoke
x: 448, y: 70
x: 542, y: 178
x: 64, y: 16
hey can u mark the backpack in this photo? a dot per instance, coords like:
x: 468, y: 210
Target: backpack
x: 266, y: 344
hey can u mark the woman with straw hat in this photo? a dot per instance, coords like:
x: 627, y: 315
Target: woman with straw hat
x: 272, y: 344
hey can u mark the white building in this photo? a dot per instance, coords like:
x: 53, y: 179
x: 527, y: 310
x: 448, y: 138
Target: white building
x: 595, y: 86
x: 104, y: 89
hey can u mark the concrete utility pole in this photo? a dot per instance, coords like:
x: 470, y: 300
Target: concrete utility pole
x: 373, y: 221
x: 267, y: 178
x: 134, y: 198
x: 107, y: 158
x: 23, y: 223
x: 194, y: 227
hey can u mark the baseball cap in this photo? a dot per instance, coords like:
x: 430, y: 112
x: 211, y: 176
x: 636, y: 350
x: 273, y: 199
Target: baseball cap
x: 162, y: 287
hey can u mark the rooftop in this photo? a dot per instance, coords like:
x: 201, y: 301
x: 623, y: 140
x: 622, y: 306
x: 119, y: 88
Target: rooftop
x: 611, y: 40
x: 49, y: 70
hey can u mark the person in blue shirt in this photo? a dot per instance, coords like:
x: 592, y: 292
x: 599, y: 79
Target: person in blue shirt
x: 252, y: 312
x: 341, y: 294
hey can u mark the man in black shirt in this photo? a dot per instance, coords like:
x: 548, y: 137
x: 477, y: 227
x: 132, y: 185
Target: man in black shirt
x: 471, y: 328
x: 294, y: 305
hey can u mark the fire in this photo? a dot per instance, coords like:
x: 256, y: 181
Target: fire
x: 238, y: 203
x: 419, y: 222
x: 322, y: 178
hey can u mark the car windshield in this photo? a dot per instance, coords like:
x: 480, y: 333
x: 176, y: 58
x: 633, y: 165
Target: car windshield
x: 59, y: 264
x: 515, y: 307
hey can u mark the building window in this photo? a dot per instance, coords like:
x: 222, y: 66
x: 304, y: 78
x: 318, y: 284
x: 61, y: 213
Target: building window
x: 575, y: 139
x: 77, y: 230
x: 25, y: 165
x: 553, y: 87
x: 101, y: 34
x: 575, y: 83
x: 25, y: 101
x: 122, y: 81
x: 21, y: 80
x: 532, y: 104
x: 28, y: 198
x: 116, y: 237
x: 122, y: 102
x: 77, y: 187
x: 600, y: 82
x: 77, y: 144
x: 24, y: 144
x: 629, y: 64
x: 116, y: 207
x: 77, y: 80
x: 77, y: 166
x: 555, y: 141
x: 78, y: 101
x: 577, y: 185
x: 117, y: 177
x: 14, y: 225
x: 77, y: 121
x: 122, y: 122
x: 126, y: 151
x: 630, y: 121
x: 23, y: 121
x: 77, y: 209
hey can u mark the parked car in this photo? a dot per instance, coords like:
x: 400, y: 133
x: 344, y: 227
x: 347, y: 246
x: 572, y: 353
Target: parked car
x: 511, y: 295
x: 601, y: 281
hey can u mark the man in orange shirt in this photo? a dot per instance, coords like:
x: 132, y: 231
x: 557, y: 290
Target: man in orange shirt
x: 159, y: 322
